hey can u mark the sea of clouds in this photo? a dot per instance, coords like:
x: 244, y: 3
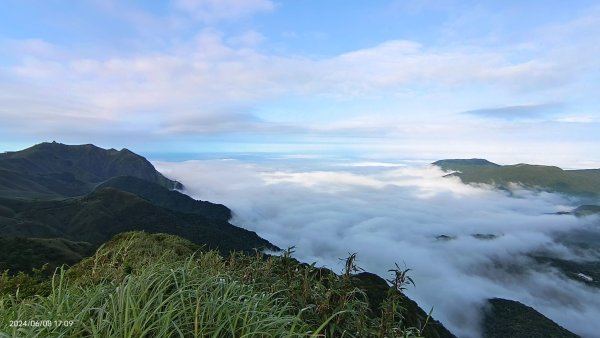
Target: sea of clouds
x: 393, y: 213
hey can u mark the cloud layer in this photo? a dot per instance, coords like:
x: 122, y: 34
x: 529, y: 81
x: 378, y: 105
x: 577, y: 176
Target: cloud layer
x: 393, y: 213
x: 214, y: 10
x: 524, y: 112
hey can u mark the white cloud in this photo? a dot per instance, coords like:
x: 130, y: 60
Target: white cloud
x: 211, y: 73
x: 249, y: 39
x: 576, y: 119
x: 376, y: 164
x: 215, y: 10
x: 521, y: 112
x: 37, y: 47
x: 394, y: 214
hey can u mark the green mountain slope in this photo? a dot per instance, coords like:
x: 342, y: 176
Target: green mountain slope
x: 376, y: 289
x: 584, y: 183
x: 106, y: 212
x: 54, y: 193
x: 508, y: 318
x: 53, y: 169
x: 459, y: 164
x: 170, y: 199
x: 586, y: 210
x: 153, y: 285
x: 24, y: 254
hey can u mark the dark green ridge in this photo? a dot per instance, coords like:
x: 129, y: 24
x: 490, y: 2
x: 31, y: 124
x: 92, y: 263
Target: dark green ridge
x: 509, y: 318
x: 582, y: 183
x: 586, y: 210
x: 25, y: 254
x: 48, y: 179
x: 452, y: 164
x: 106, y: 212
x: 56, y: 170
x: 169, y: 199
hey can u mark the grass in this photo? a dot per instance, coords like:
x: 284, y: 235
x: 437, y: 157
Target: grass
x: 168, y: 288
x: 166, y: 300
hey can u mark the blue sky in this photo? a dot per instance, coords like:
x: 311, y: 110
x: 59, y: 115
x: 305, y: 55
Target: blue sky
x: 511, y: 81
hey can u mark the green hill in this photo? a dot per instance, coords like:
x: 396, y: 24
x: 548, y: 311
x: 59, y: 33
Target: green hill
x: 458, y: 164
x: 143, y: 285
x: 509, y: 318
x: 50, y: 170
x: 54, y: 193
x: 106, y: 212
x: 169, y: 199
x: 25, y: 254
x: 585, y: 183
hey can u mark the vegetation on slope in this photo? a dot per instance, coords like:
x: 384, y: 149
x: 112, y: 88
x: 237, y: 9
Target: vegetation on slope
x: 508, y: 318
x: 169, y: 199
x: 584, y: 183
x: 586, y: 210
x: 50, y: 170
x: 37, y: 179
x: 25, y: 254
x: 107, y: 212
x: 141, y: 285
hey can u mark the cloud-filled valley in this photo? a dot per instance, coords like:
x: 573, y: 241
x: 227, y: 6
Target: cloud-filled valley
x: 411, y: 215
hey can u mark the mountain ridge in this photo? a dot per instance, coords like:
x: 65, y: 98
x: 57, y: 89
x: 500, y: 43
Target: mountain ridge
x: 579, y: 182
x: 56, y: 170
x: 169, y: 199
x: 509, y: 318
x: 53, y: 195
x: 98, y: 216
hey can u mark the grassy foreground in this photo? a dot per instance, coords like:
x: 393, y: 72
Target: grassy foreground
x: 141, y: 285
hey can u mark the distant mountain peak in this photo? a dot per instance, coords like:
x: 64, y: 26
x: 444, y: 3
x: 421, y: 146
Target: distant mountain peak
x: 52, y: 169
x: 454, y: 163
x: 583, y: 183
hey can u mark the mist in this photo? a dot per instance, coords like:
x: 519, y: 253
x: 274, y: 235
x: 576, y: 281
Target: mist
x: 393, y: 213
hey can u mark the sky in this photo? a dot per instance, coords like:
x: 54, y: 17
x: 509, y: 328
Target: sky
x: 510, y: 81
